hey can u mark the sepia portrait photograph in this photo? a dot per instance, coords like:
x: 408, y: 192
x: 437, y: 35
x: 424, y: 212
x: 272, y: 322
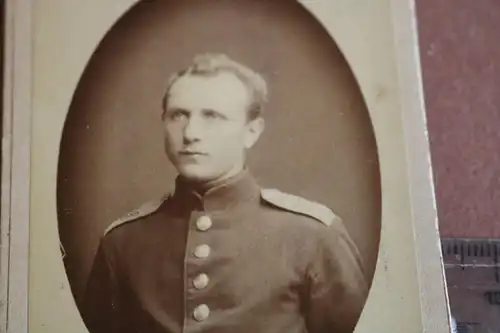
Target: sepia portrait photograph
x: 225, y: 166
x: 210, y: 184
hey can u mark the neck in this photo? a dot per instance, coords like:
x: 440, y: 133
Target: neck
x: 218, y: 194
x: 203, y: 187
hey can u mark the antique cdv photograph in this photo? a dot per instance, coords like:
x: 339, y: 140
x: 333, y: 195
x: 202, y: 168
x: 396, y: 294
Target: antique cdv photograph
x: 217, y: 166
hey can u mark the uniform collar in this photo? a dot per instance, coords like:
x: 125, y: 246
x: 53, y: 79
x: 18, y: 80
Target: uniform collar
x: 220, y: 196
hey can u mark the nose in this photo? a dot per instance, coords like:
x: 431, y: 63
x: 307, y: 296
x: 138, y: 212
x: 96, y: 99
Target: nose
x: 192, y: 130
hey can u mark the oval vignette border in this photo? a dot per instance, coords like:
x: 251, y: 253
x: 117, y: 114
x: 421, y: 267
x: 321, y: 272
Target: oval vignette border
x: 91, y: 181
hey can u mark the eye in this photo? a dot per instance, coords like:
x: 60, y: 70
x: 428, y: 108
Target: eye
x: 212, y: 115
x: 176, y: 114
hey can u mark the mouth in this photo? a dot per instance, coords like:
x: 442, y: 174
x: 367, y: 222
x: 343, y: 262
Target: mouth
x: 191, y: 153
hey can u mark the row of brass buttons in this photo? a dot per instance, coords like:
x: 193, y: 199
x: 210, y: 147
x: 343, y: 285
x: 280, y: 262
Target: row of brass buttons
x: 202, y: 311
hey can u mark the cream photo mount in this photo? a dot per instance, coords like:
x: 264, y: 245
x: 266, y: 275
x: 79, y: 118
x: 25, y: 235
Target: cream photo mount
x: 379, y: 41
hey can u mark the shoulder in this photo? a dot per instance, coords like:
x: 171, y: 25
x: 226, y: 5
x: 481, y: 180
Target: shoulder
x: 144, y: 210
x: 299, y: 205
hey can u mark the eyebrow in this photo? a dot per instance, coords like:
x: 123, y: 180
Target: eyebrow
x: 169, y: 111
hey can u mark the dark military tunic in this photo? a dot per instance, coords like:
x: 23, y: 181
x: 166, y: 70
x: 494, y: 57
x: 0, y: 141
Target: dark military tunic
x: 236, y: 259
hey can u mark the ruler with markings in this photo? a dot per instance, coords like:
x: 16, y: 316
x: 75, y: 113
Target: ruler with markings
x: 472, y: 269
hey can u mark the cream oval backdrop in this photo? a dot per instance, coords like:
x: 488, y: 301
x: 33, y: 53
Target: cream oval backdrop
x: 333, y: 133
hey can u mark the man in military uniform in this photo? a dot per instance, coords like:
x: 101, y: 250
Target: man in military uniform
x: 220, y: 254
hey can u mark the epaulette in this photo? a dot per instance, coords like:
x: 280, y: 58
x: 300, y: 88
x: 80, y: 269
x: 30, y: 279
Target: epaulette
x: 299, y: 205
x: 144, y: 210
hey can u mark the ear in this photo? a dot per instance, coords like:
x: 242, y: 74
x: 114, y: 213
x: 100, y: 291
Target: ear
x: 255, y: 128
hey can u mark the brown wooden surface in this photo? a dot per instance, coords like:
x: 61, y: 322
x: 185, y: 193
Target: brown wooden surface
x: 460, y: 54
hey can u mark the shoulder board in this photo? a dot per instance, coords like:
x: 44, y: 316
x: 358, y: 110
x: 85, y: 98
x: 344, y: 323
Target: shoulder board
x: 299, y: 205
x: 146, y: 209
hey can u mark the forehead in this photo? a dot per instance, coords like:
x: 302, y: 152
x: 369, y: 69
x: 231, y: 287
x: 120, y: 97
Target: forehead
x: 221, y: 92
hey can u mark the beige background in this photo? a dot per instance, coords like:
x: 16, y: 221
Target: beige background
x: 64, y: 41
x: 318, y: 141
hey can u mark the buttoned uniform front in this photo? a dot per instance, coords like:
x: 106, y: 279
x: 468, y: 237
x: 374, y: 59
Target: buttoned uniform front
x: 237, y: 258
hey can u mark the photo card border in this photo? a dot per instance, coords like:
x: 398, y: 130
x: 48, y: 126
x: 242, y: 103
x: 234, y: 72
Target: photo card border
x: 16, y: 168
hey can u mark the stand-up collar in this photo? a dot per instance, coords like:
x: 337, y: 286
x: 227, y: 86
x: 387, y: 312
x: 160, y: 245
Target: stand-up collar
x: 219, y: 196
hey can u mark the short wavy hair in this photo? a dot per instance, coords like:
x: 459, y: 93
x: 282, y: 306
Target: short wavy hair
x: 209, y: 64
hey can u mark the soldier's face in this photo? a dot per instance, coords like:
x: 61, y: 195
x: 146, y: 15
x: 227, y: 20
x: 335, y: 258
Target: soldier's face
x: 206, y: 126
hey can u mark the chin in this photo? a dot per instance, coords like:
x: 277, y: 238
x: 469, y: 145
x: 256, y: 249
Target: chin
x: 195, y: 173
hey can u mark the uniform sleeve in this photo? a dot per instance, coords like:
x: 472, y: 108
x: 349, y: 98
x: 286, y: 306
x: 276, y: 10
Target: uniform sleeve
x: 337, y: 286
x: 101, y: 304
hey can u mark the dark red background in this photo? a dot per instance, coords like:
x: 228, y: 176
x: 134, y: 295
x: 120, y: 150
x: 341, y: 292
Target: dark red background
x: 460, y: 55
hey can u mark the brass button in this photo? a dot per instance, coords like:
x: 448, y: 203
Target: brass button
x: 201, y: 281
x: 204, y: 223
x: 202, y: 251
x: 201, y: 312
